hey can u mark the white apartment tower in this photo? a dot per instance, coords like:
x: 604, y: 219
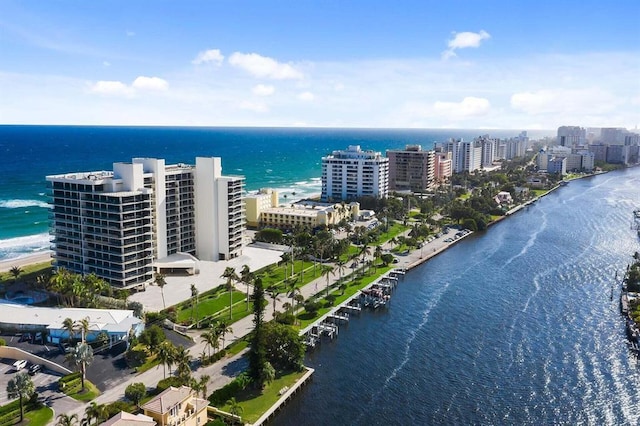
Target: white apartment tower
x: 117, y: 223
x: 352, y: 173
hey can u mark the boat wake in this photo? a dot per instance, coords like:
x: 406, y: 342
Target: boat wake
x: 530, y: 242
x: 433, y: 302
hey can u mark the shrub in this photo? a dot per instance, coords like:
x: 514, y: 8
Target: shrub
x: 3, y: 342
x: 135, y: 356
x: 312, y: 307
x: 115, y: 407
x: 135, y: 392
x: 169, y: 381
x: 285, y: 318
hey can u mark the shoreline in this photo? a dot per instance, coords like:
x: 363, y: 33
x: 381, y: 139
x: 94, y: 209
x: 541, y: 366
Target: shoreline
x: 21, y: 262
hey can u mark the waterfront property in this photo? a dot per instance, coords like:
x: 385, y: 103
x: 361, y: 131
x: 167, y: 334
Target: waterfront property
x: 177, y: 406
x: 117, y: 223
x: 352, y: 173
x: 117, y: 324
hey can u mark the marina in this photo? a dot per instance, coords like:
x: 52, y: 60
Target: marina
x: 375, y: 295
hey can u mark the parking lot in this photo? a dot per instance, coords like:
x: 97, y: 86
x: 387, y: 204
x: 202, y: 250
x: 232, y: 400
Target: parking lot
x: 107, y: 369
x: 43, y: 380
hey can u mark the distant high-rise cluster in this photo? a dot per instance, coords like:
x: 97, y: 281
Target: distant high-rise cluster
x: 583, y: 148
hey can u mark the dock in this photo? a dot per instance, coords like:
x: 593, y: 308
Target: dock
x: 375, y: 295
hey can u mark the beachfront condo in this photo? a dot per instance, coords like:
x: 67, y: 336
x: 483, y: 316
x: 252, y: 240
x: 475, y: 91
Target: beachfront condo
x: 353, y: 173
x: 143, y: 216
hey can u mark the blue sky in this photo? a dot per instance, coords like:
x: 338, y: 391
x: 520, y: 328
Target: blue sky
x: 435, y: 64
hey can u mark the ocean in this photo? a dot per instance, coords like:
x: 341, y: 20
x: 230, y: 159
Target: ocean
x: 284, y: 158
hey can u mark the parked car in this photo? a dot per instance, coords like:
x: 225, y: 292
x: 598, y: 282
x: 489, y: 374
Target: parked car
x: 19, y: 364
x: 34, y: 368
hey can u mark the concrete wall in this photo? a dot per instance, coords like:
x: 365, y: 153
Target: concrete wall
x: 15, y: 353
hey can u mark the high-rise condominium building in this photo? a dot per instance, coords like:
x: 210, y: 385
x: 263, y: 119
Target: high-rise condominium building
x: 118, y: 223
x: 352, y: 173
x: 572, y: 135
x: 412, y: 169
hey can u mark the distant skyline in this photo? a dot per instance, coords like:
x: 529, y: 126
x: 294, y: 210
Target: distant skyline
x: 430, y: 64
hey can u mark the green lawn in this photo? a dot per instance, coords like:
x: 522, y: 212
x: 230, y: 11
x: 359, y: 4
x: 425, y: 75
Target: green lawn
x: 254, y: 403
x: 39, y: 417
x: 74, y: 390
x: 208, y: 305
x: 275, y: 275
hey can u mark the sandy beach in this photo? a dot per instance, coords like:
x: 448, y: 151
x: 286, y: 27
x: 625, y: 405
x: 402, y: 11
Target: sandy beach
x: 21, y: 262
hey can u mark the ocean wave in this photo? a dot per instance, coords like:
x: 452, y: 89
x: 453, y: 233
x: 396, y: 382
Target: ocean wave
x: 20, y: 204
x: 12, y: 248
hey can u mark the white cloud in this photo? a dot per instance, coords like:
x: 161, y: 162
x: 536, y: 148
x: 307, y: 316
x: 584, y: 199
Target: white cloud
x: 130, y: 33
x: 253, y: 106
x: 110, y: 88
x: 206, y: 56
x: 106, y: 63
x: 564, y: 101
x: 469, y: 107
x: 263, y: 90
x: 464, y: 40
x: 264, y: 67
x: 150, y: 83
x: 118, y: 88
x: 306, y: 96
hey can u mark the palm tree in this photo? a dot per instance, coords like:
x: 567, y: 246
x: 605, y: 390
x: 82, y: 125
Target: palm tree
x: 341, y: 266
x: 234, y: 407
x: 364, y: 252
x: 231, y: 276
x: 94, y: 411
x: 66, y: 420
x: 166, y: 355
x: 292, y: 291
x: 201, y: 385
x: 223, y: 328
x: 210, y: 338
x: 15, y: 271
x: 70, y: 327
x: 377, y: 254
x: 284, y: 259
x: 83, y: 325
x: 194, y: 295
x: 81, y: 356
x: 183, y: 361
x: 274, y: 291
x: 21, y: 387
x: 160, y: 282
x: 326, y: 271
x: 246, y: 277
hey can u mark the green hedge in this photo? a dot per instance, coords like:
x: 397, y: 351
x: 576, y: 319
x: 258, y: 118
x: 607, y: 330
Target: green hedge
x: 69, y: 378
x: 11, y: 411
x: 222, y: 395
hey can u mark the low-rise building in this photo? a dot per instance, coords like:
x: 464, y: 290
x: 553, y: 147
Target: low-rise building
x: 118, y: 324
x: 308, y: 214
x: 177, y: 406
